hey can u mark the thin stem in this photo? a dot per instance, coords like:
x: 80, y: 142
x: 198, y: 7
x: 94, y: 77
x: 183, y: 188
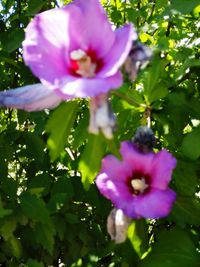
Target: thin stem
x: 147, y: 115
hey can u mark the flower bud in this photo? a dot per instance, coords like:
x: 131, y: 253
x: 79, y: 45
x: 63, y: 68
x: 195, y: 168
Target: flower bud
x: 101, y: 116
x: 137, y: 58
x: 144, y: 139
x: 117, y: 225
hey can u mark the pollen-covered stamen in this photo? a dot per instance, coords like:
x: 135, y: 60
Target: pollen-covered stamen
x: 84, y: 65
x: 139, y: 186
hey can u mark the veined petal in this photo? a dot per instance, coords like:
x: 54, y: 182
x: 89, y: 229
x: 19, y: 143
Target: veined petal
x: 84, y: 87
x: 113, y: 189
x: 119, y: 51
x: 53, y: 34
x: 94, y: 27
x: 115, y: 169
x: 31, y: 98
x: 162, y: 167
x: 46, y: 44
x: 155, y: 204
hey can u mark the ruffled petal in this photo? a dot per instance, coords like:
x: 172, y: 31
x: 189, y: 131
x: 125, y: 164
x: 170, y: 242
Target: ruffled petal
x: 113, y: 189
x: 88, y: 87
x: 118, y: 53
x: 31, y: 98
x: 115, y: 169
x: 53, y: 34
x: 46, y: 44
x: 162, y: 167
x: 155, y: 204
x: 139, y: 162
x: 94, y: 27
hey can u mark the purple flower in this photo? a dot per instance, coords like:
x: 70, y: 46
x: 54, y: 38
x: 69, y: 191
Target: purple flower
x: 74, y: 52
x: 138, y: 185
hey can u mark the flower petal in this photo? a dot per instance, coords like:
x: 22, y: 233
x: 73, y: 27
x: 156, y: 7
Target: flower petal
x: 138, y: 161
x: 119, y: 51
x: 94, y: 27
x: 117, y: 191
x: 53, y: 34
x: 84, y: 87
x: 46, y: 43
x: 114, y: 168
x: 162, y: 167
x: 30, y: 98
x: 155, y: 204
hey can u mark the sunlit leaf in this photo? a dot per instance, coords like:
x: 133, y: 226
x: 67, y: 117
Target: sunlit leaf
x: 59, y: 127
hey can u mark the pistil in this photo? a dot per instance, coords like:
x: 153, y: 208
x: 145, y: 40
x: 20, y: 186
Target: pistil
x: 85, y: 67
x: 139, y: 185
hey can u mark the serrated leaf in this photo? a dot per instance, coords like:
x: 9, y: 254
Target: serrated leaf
x: 90, y: 161
x: 41, y: 184
x: 152, y: 81
x: 59, y: 126
x: 14, y: 39
x: 173, y: 248
x: 45, y: 236
x: 34, y: 208
x: 34, y: 144
x: 186, y: 210
x: 191, y: 144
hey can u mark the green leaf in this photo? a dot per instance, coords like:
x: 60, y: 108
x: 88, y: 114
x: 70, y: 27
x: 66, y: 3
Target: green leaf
x: 4, y: 212
x: 172, y: 248
x: 184, y: 6
x: 16, y: 247
x: 34, y: 208
x: 191, y: 144
x: 138, y: 236
x: 90, y: 161
x: 59, y: 127
x: 186, y: 210
x: 45, y: 236
x: 159, y: 91
x: 186, y: 184
x: 14, y: 40
x: 34, y: 263
x: 41, y: 183
x: 34, y: 6
x: 8, y: 228
x: 34, y: 145
x: 154, y: 88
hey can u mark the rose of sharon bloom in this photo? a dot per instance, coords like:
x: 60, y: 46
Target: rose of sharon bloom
x: 74, y: 52
x: 138, y: 185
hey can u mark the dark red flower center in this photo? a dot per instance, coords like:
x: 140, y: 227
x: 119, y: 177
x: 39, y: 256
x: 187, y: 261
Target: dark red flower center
x: 84, y: 64
x: 138, y: 183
